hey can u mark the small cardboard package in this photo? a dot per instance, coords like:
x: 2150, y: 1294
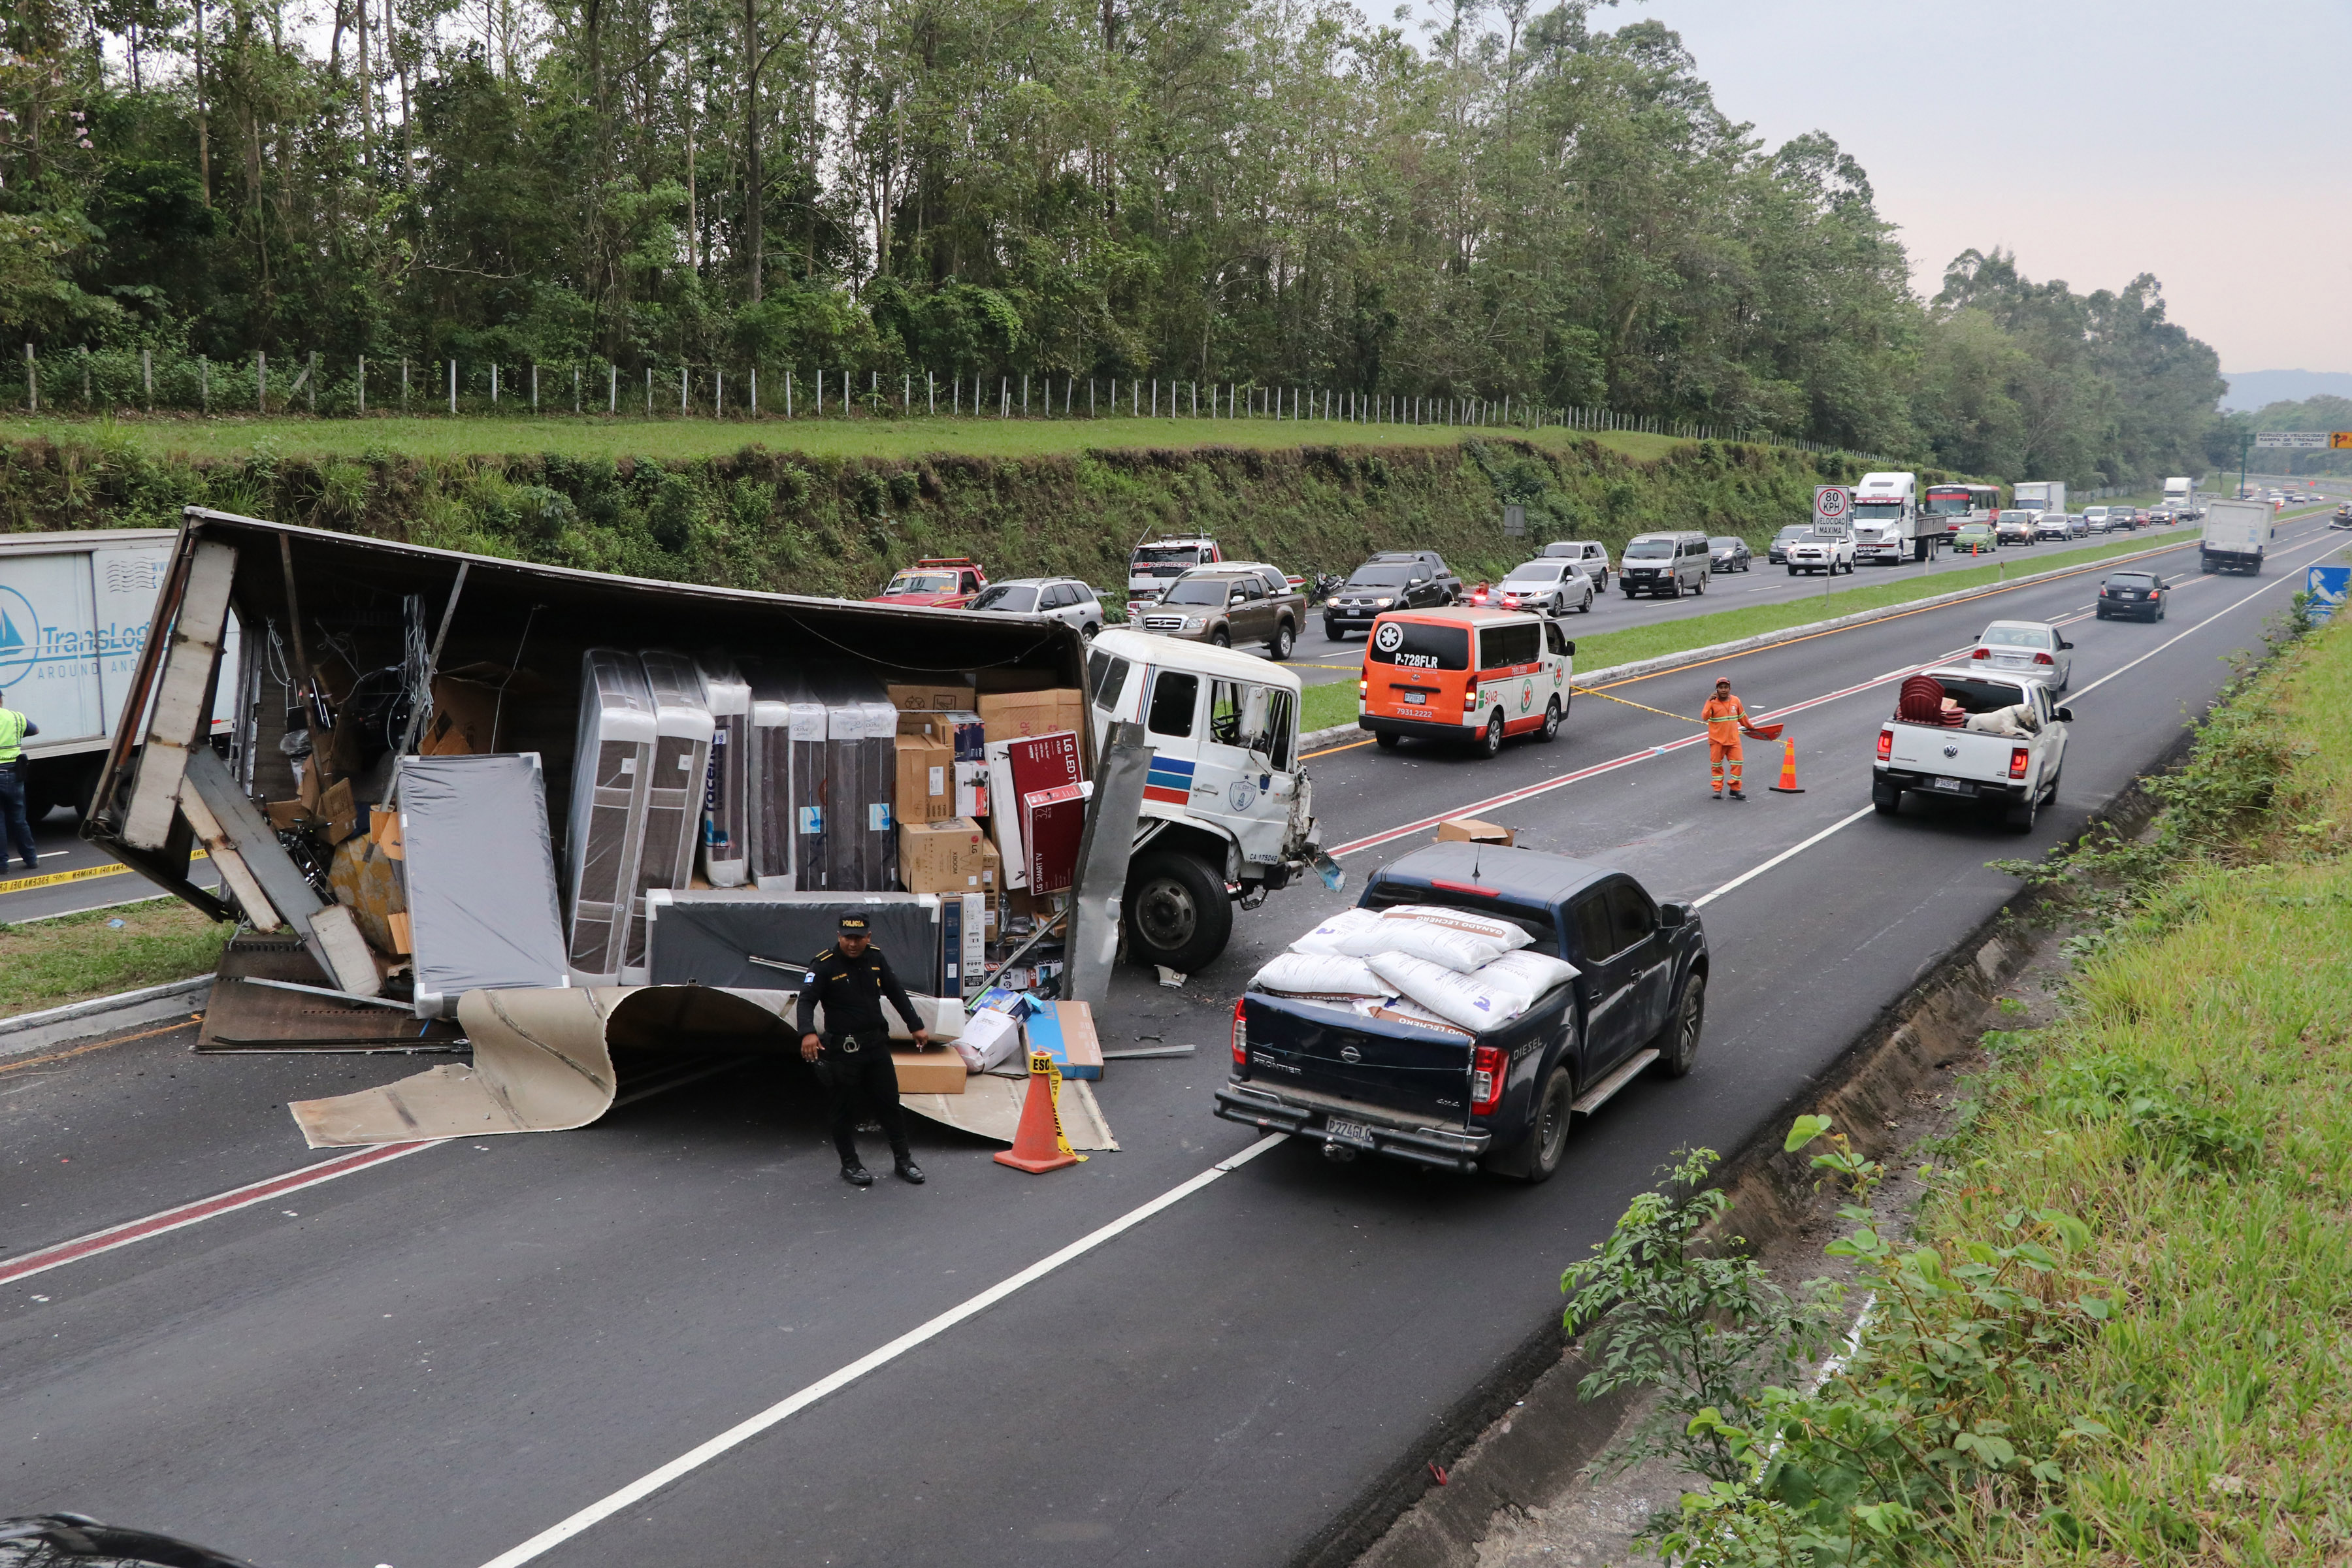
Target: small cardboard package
x: 1470, y: 830
x: 1053, y: 821
x: 990, y: 1039
x: 1012, y: 715
x: 1066, y: 1032
x: 943, y: 698
x: 945, y: 857
x: 971, y: 789
x: 926, y: 789
x: 939, y: 1070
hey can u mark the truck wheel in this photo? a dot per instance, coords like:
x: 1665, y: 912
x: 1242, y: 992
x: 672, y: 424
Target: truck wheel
x: 1677, y: 1042
x: 1490, y: 739
x: 1177, y: 911
x: 1886, y: 799
x: 1550, y: 730
x: 1331, y: 632
x: 2021, y: 817
x: 1387, y: 742
x: 1792, y: 571
x: 1220, y: 638
x: 1538, y: 1153
x: 1285, y: 638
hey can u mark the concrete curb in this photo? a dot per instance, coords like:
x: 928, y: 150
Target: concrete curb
x: 1688, y: 656
x: 102, y: 1014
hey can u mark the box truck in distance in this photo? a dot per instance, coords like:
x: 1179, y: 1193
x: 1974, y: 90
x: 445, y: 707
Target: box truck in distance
x: 2237, y: 532
x: 2046, y: 496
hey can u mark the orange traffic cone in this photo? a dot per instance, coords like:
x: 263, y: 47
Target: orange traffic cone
x: 1038, y: 1145
x: 1787, y: 784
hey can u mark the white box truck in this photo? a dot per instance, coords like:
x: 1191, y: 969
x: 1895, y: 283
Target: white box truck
x: 2236, y: 534
x: 2180, y: 495
x: 74, y: 609
x: 1887, y: 520
x: 2047, y: 497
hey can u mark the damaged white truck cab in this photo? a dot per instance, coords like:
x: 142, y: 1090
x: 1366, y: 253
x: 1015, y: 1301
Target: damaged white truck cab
x: 1228, y: 815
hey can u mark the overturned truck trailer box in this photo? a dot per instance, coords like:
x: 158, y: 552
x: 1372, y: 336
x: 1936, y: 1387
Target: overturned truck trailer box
x: 454, y: 787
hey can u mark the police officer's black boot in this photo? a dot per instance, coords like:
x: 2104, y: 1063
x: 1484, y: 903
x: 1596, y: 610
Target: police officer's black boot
x: 903, y: 1164
x: 855, y: 1173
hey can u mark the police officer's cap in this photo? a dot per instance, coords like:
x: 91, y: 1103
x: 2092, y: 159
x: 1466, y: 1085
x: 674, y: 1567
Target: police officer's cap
x: 854, y: 925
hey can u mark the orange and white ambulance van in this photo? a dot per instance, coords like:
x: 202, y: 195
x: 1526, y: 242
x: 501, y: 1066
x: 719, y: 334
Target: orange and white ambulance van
x: 1464, y: 675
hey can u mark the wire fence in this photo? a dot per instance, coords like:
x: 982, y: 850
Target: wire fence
x: 101, y: 381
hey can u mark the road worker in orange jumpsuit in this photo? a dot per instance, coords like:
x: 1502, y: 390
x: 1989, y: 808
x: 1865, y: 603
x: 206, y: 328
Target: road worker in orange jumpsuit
x: 1725, y: 715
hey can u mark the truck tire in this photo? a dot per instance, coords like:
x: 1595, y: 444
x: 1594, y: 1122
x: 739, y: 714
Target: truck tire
x: 1677, y: 1042
x: 1540, y: 1148
x: 1388, y: 740
x: 1792, y: 570
x: 1220, y: 638
x: 1285, y: 638
x: 1332, y: 633
x: 2021, y: 817
x: 1177, y: 911
x: 1886, y: 799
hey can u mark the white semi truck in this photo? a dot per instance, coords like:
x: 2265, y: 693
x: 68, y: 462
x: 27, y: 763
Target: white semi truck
x: 1887, y: 522
x: 2045, y: 496
x: 74, y: 611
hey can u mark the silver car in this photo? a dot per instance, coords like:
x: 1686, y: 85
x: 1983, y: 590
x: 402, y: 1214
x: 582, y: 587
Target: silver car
x: 1550, y: 584
x: 1056, y: 598
x: 2026, y: 647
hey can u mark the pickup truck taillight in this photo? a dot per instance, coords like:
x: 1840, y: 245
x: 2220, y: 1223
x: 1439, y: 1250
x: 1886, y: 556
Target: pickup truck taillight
x: 1486, y: 1079
x: 1241, y: 1039
x: 1885, y: 744
x: 2043, y: 658
x: 1981, y: 653
x: 2017, y: 758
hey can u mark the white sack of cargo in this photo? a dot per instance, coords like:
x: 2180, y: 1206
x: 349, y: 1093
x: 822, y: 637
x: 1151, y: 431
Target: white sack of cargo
x: 1457, y: 948
x: 1398, y: 1011
x: 1473, y: 1001
x: 1319, y: 975
x: 1343, y: 927
x: 1507, y: 935
x: 1538, y: 972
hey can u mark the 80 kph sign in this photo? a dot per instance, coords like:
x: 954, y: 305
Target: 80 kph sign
x: 1833, y: 504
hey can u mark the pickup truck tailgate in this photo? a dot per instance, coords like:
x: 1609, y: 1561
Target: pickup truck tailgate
x: 1331, y: 1051
x: 1958, y: 753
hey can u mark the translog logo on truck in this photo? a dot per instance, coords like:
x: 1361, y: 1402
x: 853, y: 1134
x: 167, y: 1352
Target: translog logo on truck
x: 20, y: 637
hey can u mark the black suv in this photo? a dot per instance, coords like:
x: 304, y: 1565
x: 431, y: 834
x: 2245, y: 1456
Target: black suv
x: 1393, y: 580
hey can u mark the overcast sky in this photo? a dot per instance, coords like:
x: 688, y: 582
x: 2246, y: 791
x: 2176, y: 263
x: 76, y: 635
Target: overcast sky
x: 2096, y: 138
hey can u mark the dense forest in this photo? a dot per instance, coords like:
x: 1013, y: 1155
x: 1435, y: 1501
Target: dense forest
x: 1273, y: 193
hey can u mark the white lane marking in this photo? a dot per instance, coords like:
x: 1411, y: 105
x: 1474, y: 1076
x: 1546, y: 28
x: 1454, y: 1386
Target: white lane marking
x: 694, y: 1458
x: 179, y: 1216
x: 1788, y: 854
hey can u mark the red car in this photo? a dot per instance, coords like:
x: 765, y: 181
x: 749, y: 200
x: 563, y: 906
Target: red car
x: 940, y: 582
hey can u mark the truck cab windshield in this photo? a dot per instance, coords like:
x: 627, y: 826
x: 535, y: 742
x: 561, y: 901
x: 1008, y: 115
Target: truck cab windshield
x: 1877, y: 510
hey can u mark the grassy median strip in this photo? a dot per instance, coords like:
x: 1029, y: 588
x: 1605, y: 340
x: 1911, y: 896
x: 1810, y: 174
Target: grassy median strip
x: 71, y: 958
x: 674, y: 440
x: 2120, y: 1328
x: 1335, y: 702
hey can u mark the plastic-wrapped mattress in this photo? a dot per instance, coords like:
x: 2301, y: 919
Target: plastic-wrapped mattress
x: 784, y: 781
x: 612, y: 766
x: 861, y: 774
x: 726, y: 819
x: 479, y: 877
x: 674, y: 790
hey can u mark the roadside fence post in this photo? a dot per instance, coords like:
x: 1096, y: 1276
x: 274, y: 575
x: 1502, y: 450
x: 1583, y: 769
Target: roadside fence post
x: 494, y: 386
x: 612, y: 388
x: 534, y: 386
x: 754, y: 374
x: 404, y: 386
x: 718, y: 393
x: 453, y: 386
x: 312, y: 376
x: 930, y: 394
x: 32, y: 382
x: 681, y: 391
x: 1025, y: 394
x: 576, y: 389
x: 1005, y: 397
x: 1090, y: 384
x: 788, y: 395
x: 261, y: 381
x: 147, y: 376
x: 363, y: 383
x: 650, y: 392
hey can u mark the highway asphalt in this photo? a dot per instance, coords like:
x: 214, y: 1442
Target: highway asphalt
x: 438, y: 1361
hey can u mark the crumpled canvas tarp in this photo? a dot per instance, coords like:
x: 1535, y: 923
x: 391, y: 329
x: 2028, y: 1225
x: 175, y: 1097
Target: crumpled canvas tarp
x: 543, y: 1062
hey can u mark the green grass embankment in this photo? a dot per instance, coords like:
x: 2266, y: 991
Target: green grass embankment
x: 638, y: 498
x: 2121, y: 1329
x: 51, y: 963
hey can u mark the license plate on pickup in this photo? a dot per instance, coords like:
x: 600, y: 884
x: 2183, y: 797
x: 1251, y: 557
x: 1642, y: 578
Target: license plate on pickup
x: 1340, y: 1130
x: 1416, y: 698
x: 1953, y: 786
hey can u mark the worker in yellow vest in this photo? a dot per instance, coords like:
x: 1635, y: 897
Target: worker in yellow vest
x: 16, y: 832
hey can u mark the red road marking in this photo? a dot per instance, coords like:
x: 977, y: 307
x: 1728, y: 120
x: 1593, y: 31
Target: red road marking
x: 201, y: 1209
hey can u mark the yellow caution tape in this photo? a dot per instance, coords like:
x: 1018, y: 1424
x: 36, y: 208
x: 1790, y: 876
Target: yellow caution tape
x: 1588, y: 691
x: 78, y: 874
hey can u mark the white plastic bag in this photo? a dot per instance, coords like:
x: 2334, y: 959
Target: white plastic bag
x: 1474, y: 1003
x: 1319, y: 974
x: 1341, y: 927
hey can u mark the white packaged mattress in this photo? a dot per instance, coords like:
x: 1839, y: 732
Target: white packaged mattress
x: 611, y: 765
x: 674, y: 790
x: 726, y: 806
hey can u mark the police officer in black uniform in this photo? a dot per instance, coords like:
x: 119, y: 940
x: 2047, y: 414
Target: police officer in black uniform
x: 852, y: 1056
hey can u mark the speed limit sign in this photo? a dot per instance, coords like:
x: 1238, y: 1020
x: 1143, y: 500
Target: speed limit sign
x: 1832, y: 503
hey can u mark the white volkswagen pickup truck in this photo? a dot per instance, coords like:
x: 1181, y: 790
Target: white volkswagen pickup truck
x: 1960, y: 734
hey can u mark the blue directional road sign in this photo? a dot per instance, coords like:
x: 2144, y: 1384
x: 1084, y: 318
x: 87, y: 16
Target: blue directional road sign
x: 2326, y: 586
